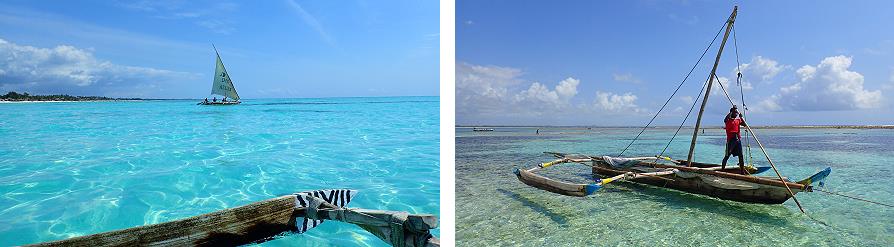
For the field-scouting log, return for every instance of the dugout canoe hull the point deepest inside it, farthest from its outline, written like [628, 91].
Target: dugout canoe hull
[251, 223]
[265, 220]
[725, 184]
[555, 186]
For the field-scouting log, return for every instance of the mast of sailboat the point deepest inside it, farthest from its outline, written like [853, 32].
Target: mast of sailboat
[218, 58]
[729, 26]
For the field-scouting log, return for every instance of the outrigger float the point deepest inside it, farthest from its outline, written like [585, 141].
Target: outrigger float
[266, 220]
[684, 175]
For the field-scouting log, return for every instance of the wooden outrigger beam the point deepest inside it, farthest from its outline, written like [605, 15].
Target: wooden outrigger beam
[528, 177]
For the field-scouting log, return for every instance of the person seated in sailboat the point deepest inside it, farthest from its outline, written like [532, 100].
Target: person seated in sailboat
[224, 99]
[206, 101]
[733, 137]
[214, 99]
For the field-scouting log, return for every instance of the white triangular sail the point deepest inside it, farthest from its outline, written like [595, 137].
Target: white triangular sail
[223, 85]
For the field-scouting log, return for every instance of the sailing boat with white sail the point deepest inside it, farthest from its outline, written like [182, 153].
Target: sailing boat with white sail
[222, 86]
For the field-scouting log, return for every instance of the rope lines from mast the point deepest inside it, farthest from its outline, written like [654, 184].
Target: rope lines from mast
[675, 90]
[748, 127]
[694, 103]
[742, 94]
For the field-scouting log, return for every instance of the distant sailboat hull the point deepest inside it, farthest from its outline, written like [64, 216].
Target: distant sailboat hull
[220, 103]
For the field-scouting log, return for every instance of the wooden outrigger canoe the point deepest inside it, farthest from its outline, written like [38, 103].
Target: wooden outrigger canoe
[266, 220]
[700, 178]
[683, 175]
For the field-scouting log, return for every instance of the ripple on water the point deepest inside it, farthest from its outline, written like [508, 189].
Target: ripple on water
[76, 169]
[633, 214]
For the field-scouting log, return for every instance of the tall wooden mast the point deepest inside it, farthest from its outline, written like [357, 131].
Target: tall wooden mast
[729, 26]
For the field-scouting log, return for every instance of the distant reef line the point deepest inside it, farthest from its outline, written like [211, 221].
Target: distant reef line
[690, 127]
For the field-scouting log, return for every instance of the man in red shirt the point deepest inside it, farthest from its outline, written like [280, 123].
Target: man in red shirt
[733, 138]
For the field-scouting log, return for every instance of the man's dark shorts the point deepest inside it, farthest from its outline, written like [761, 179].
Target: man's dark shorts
[734, 146]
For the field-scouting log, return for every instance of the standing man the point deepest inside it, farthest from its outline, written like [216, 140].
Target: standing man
[733, 138]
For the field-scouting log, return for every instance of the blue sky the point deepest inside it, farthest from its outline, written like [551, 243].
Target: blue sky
[616, 62]
[272, 49]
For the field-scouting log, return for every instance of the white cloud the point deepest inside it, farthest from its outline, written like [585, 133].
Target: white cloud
[828, 86]
[540, 94]
[484, 81]
[760, 67]
[729, 87]
[687, 100]
[496, 92]
[626, 77]
[806, 72]
[567, 88]
[67, 69]
[616, 102]
[732, 90]
[768, 105]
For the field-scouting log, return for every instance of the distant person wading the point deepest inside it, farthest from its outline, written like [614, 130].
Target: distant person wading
[733, 137]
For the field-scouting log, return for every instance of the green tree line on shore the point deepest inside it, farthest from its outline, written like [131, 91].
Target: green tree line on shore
[15, 96]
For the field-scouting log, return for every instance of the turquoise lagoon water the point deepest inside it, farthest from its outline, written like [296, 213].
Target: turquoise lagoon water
[70, 169]
[495, 209]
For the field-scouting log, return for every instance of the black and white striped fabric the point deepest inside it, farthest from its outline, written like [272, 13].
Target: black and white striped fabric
[340, 198]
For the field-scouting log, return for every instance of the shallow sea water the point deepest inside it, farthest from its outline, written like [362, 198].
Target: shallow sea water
[70, 169]
[495, 209]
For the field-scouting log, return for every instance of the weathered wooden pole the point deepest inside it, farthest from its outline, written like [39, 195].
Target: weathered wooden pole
[729, 26]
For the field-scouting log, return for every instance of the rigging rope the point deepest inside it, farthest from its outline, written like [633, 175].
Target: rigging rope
[742, 94]
[694, 103]
[854, 197]
[675, 90]
[762, 148]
